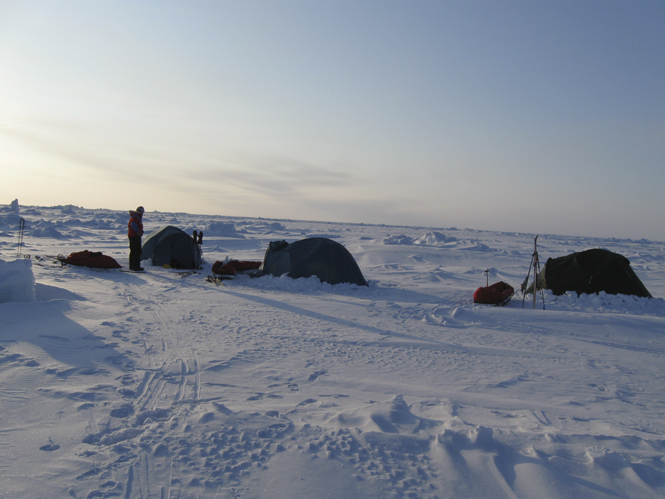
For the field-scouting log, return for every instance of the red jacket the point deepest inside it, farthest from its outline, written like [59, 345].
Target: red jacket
[135, 225]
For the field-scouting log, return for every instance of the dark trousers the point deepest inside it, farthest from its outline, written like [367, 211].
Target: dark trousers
[134, 252]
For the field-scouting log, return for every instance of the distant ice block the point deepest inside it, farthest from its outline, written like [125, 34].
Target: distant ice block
[17, 283]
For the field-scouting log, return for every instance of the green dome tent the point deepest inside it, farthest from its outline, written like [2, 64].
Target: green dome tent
[317, 256]
[591, 271]
[172, 246]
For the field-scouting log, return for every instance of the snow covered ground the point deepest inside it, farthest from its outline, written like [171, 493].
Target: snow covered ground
[163, 385]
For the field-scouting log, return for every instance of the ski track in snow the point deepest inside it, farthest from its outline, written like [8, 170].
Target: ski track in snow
[160, 386]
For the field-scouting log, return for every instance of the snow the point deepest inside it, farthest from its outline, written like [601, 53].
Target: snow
[221, 229]
[17, 282]
[161, 384]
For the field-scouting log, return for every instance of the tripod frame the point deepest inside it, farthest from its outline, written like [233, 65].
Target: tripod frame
[535, 265]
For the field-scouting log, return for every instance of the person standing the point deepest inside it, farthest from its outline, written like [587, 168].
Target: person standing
[134, 232]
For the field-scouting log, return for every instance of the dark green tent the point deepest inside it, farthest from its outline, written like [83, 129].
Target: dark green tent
[591, 271]
[317, 256]
[172, 246]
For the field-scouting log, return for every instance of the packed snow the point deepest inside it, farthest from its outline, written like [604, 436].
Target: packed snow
[165, 385]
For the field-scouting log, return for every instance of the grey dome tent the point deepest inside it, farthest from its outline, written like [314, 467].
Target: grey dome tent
[591, 271]
[317, 256]
[172, 246]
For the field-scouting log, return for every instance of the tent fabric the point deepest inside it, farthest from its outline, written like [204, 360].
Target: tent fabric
[173, 247]
[591, 271]
[91, 259]
[495, 294]
[317, 256]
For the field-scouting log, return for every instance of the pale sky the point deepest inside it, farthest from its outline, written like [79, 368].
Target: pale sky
[524, 116]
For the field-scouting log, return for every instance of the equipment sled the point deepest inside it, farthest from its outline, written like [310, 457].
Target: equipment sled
[232, 267]
[498, 293]
[95, 260]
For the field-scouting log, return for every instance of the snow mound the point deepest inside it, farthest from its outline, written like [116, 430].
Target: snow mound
[325, 235]
[222, 229]
[393, 416]
[9, 220]
[267, 227]
[402, 239]
[475, 246]
[17, 283]
[432, 238]
[48, 232]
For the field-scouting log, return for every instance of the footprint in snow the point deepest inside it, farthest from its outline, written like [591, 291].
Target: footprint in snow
[308, 401]
[50, 447]
[314, 376]
[122, 412]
